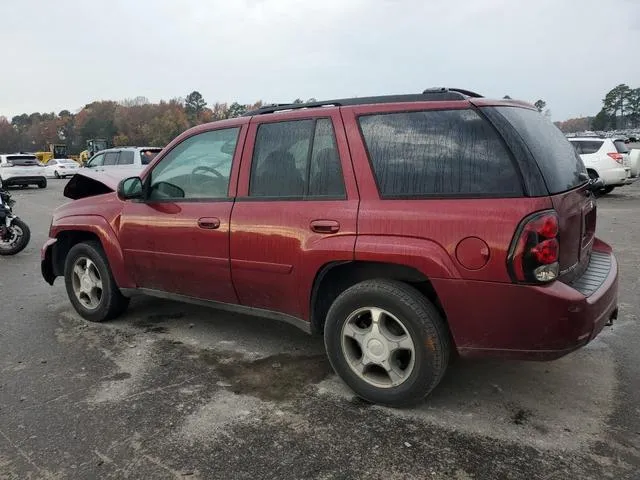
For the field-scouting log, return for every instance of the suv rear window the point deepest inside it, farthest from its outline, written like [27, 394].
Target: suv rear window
[558, 161]
[22, 160]
[620, 146]
[438, 153]
[586, 147]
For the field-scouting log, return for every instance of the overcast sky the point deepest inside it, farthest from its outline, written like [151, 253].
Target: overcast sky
[64, 54]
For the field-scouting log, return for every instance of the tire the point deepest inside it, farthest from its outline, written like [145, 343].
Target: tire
[412, 317]
[56, 174]
[606, 190]
[111, 302]
[42, 183]
[22, 242]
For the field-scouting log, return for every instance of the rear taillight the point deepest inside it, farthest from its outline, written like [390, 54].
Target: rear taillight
[533, 256]
[616, 156]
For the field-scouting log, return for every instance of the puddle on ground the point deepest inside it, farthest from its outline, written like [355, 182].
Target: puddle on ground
[277, 377]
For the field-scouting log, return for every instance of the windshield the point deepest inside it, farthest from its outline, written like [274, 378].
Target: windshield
[557, 159]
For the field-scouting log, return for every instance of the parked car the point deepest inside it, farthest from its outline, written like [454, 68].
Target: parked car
[403, 228]
[605, 158]
[123, 156]
[21, 169]
[61, 168]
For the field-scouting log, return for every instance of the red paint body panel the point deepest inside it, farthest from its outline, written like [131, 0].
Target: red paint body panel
[100, 227]
[523, 321]
[165, 249]
[275, 255]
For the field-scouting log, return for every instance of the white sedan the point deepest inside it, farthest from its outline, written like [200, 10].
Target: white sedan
[61, 167]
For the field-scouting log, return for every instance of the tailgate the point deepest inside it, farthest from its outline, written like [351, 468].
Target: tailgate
[577, 223]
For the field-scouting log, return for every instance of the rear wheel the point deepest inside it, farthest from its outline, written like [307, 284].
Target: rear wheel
[56, 174]
[90, 284]
[387, 342]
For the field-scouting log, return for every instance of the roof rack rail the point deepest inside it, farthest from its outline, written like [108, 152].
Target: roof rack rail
[430, 94]
[466, 93]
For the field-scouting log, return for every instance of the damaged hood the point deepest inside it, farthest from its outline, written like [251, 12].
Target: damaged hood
[88, 182]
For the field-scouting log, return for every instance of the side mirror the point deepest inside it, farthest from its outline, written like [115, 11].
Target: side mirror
[130, 188]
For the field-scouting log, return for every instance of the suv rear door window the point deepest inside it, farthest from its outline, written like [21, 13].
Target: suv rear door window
[558, 161]
[296, 159]
[438, 153]
[126, 157]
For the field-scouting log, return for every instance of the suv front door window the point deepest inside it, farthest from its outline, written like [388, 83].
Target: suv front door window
[198, 168]
[96, 161]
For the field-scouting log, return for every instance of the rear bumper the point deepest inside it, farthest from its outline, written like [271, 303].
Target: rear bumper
[615, 177]
[530, 322]
[22, 180]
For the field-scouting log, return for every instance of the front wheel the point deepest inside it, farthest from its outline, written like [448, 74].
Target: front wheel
[56, 174]
[387, 342]
[42, 183]
[16, 239]
[90, 284]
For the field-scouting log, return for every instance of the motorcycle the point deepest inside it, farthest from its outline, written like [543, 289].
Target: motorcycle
[14, 233]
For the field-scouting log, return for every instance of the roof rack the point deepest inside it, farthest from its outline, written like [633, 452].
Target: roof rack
[428, 95]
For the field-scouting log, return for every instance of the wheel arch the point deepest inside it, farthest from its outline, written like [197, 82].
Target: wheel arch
[89, 228]
[335, 277]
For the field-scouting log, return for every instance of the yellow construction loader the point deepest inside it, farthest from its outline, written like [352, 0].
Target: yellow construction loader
[93, 146]
[55, 151]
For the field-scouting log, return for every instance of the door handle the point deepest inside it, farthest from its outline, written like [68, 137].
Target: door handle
[325, 226]
[209, 223]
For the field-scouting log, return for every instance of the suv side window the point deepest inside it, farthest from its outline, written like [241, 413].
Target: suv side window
[589, 146]
[126, 157]
[438, 153]
[197, 168]
[111, 158]
[296, 159]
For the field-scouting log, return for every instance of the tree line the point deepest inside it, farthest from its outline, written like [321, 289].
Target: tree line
[620, 109]
[129, 122]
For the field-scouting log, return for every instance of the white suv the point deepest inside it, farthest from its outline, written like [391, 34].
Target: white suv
[605, 158]
[21, 169]
[123, 157]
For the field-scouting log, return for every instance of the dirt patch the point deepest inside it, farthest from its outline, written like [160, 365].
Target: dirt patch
[277, 377]
[521, 416]
[163, 317]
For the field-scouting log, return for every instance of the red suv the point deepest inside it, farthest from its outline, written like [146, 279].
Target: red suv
[404, 228]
